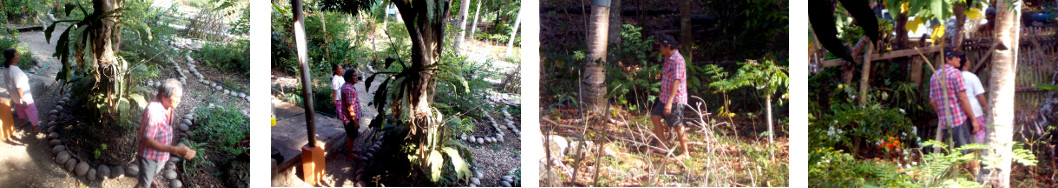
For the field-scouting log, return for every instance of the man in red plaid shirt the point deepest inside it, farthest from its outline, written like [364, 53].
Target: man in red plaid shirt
[351, 111]
[950, 102]
[673, 97]
[156, 133]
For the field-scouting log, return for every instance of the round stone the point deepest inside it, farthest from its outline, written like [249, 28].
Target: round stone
[175, 184]
[360, 171]
[505, 184]
[132, 170]
[499, 137]
[463, 136]
[369, 155]
[54, 142]
[57, 149]
[184, 128]
[478, 174]
[475, 181]
[481, 141]
[118, 172]
[174, 159]
[170, 174]
[53, 135]
[242, 95]
[62, 157]
[170, 165]
[363, 158]
[82, 168]
[92, 174]
[357, 177]
[104, 171]
[70, 164]
[361, 184]
[472, 185]
[217, 87]
[53, 112]
[508, 178]
[58, 107]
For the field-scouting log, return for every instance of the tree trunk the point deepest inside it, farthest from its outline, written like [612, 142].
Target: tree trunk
[103, 52]
[614, 40]
[593, 85]
[1001, 84]
[959, 9]
[425, 27]
[767, 106]
[685, 31]
[514, 33]
[464, 6]
[474, 26]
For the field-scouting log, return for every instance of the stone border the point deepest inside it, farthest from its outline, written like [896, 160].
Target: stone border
[498, 137]
[79, 166]
[213, 85]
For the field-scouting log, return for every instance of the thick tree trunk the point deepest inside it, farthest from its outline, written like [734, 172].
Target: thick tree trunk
[474, 26]
[685, 31]
[593, 86]
[103, 51]
[426, 29]
[464, 6]
[959, 10]
[1001, 86]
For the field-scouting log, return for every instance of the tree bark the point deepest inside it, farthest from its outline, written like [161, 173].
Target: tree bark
[593, 86]
[464, 6]
[426, 30]
[959, 9]
[103, 51]
[1002, 87]
[514, 33]
[685, 30]
[474, 26]
[767, 105]
[614, 40]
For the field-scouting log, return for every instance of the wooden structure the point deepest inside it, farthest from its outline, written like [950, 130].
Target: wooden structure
[1036, 62]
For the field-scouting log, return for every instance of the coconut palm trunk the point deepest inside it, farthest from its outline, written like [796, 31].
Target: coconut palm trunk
[593, 85]
[464, 6]
[1001, 84]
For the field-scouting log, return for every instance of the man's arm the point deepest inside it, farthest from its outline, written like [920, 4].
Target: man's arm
[20, 94]
[182, 151]
[672, 97]
[965, 104]
[984, 104]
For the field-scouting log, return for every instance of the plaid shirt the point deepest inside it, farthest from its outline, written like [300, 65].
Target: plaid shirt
[949, 111]
[155, 126]
[674, 70]
[349, 97]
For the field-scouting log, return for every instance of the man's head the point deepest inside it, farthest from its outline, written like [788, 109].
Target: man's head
[667, 45]
[170, 93]
[337, 68]
[11, 55]
[351, 76]
[954, 57]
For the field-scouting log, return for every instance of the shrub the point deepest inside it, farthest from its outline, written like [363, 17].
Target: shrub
[229, 57]
[854, 128]
[222, 128]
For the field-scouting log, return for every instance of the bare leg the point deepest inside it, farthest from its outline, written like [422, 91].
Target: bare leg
[682, 131]
[659, 129]
[349, 148]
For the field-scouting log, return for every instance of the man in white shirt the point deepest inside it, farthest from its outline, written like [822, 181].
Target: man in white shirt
[336, 84]
[975, 94]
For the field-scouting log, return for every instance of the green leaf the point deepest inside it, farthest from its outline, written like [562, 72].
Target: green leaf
[436, 161]
[140, 101]
[461, 167]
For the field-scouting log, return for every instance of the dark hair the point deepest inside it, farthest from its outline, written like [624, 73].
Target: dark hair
[668, 41]
[9, 56]
[351, 76]
[335, 66]
[950, 52]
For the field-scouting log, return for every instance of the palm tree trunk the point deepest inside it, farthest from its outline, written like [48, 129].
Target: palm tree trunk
[593, 84]
[514, 33]
[685, 30]
[1001, 84]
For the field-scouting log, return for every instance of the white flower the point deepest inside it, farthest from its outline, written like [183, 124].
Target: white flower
[902, 111]
[913, 163]
[905, 154]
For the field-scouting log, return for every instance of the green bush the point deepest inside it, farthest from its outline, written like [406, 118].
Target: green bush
[228, 57]
[853, 128]
[25, 61]
[222, 128]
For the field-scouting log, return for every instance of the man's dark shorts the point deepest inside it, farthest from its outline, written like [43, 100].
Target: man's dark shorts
[674, 119]
[351, 131]
[960, 135]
